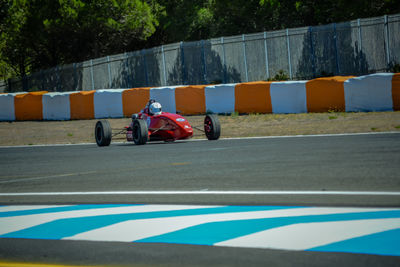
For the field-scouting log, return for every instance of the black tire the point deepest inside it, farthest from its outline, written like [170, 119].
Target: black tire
[212, 127]
[103, 133]
[140, 132]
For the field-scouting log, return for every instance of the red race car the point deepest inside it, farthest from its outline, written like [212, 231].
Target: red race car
[151, 124]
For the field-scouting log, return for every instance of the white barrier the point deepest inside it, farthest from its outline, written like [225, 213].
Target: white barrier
[376, 92]
[220, 98]
[369, 93]
[108, 103]
[166, 96]
[7, 109]
[56, 106]
[289, 97]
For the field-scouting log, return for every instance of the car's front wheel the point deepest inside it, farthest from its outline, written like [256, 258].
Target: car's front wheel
[212, 127]
[140, 132]
[103, 133]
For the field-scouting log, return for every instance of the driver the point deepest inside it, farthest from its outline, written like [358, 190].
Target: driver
[153, 108]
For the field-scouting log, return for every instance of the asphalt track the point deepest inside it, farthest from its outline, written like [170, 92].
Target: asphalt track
[349, 170]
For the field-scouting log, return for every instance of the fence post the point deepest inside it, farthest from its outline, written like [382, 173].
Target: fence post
[75, 74]
[336, 49]
[359, 35]
[109, 72]
[42, 77]
[164, 67]
[183, 63]
[24, 84]
[58, 79]
[386, 32]
[91, 73]
[128, 81]
[223, 59]
[360, 46]
[245, 58]
[266, 54]
[288, 48]
[204, 62]
[9, 85]
[312, 52]
[145, 67]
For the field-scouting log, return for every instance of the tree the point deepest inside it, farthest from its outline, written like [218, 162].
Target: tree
[39, 34]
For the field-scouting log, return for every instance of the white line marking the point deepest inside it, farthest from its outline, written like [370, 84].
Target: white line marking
[226, 138]
[202, 192]
[309, 135]
[304, 236]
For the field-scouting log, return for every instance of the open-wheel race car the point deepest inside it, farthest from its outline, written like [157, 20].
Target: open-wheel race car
[151, 124]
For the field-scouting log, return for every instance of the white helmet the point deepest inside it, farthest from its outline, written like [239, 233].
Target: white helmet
[155, 108]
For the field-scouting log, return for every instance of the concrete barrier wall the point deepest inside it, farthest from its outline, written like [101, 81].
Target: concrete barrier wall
[108, 103]
[375, 92]
[369, 93]
[289, 97]
[56, 106]
[220, 98]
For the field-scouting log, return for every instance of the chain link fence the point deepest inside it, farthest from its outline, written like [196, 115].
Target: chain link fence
[350, 48]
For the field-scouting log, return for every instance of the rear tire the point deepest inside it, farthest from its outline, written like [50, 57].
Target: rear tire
[103, 133]
[212, 127]
[140, 132]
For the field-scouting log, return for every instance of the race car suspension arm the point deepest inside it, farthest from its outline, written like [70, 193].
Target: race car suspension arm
[162, 128]
[197, 128]
[119, 132]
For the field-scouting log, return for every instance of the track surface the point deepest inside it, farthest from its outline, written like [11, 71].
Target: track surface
[354, 163]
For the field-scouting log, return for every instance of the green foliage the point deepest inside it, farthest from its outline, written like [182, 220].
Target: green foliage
[38, 34]
[234, 114]
[395, 68]
[280, 76]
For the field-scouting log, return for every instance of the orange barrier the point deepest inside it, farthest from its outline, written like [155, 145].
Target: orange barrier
[133, 100]
[371, 92]
[253, 97]
[82, 105]
[190, 99]
[29, 106]
[325, 94]
[396, 91]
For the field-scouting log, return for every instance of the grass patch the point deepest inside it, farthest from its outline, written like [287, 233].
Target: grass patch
[332, 117]
[235, 114]
[233, 125]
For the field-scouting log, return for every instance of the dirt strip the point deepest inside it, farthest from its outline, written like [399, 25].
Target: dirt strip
[82, 131]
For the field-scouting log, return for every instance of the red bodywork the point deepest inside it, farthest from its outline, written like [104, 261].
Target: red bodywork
[165, 127]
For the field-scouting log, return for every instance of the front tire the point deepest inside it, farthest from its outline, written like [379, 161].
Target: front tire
[140, 132]
[103, 133]
[212, 127]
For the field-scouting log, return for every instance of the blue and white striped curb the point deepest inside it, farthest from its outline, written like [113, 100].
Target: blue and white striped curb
[353, 230]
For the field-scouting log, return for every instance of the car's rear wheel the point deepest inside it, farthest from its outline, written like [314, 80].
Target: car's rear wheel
[103, 133]
[212, 127]
[140, 132]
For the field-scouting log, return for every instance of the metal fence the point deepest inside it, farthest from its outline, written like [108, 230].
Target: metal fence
[350, 48]
[3, 86]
